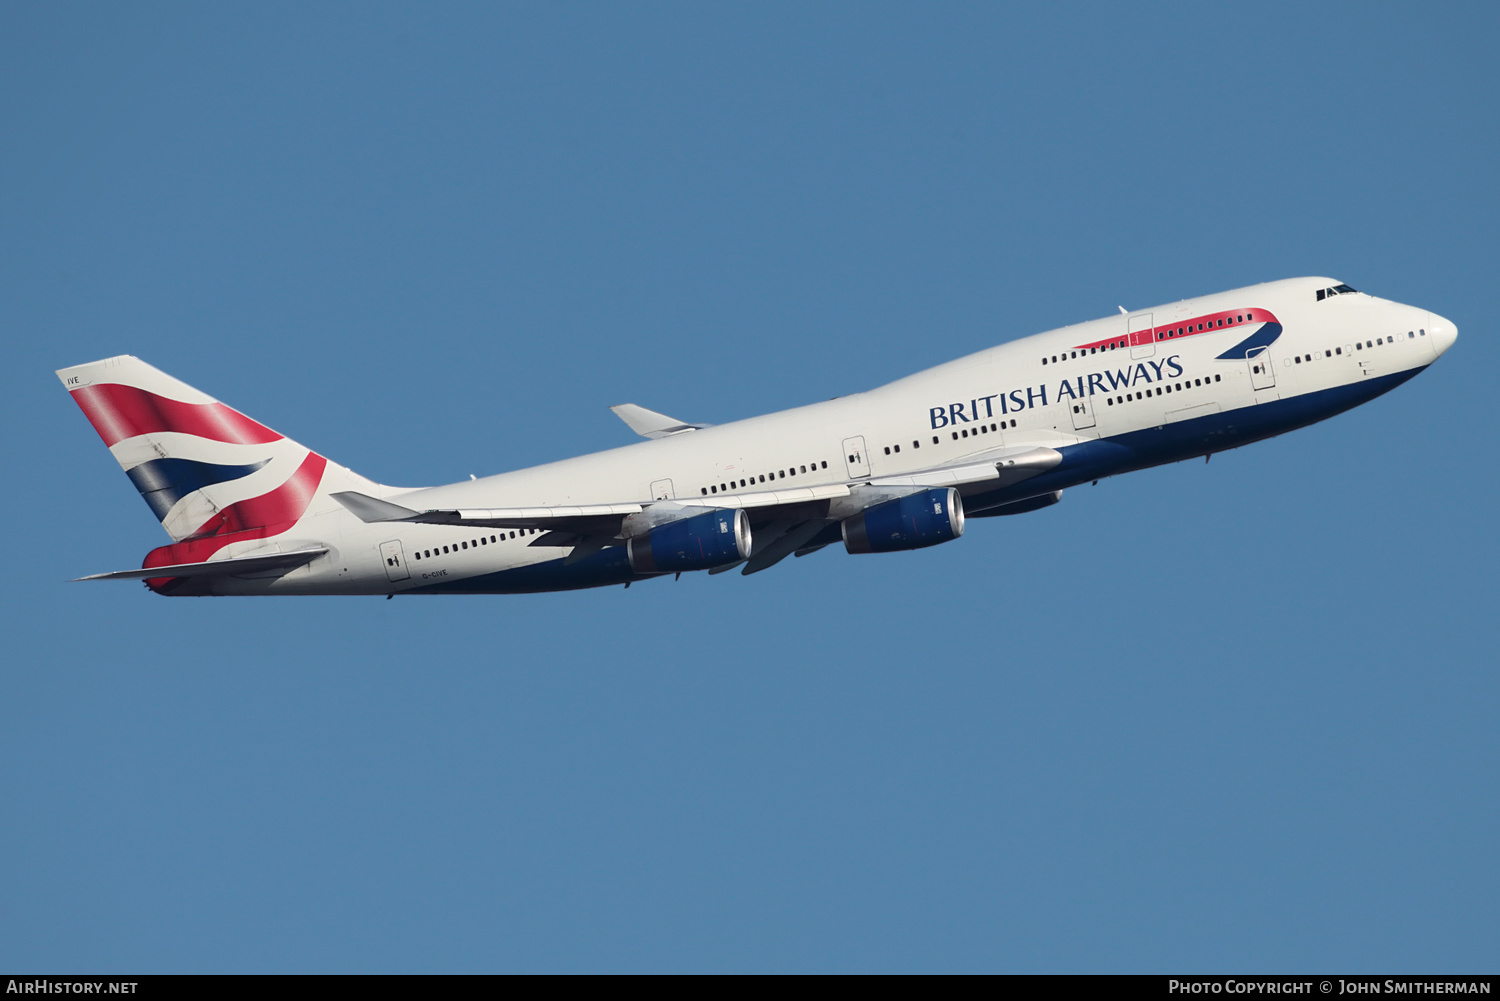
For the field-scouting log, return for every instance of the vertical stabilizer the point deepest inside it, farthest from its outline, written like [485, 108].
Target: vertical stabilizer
[204, 469]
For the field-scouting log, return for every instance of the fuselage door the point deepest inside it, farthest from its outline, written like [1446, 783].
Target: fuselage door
[1083, 412]
[1261, 374]
[661, 490]
[855, 459]
[1142, 336]
[395, 561]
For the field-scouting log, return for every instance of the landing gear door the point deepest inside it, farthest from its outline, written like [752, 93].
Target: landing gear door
[395, 561]
[1142, 336]
[1262, 376]
[855, 459]
[1083, 413]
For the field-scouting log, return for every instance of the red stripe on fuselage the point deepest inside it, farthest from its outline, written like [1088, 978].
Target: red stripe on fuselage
[119, 412]
[1204, 324]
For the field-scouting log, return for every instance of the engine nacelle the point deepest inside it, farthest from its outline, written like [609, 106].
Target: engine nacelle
[910, 522]
[700, 542]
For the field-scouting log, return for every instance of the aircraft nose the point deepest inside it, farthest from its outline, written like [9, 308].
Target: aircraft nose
[1442, 331]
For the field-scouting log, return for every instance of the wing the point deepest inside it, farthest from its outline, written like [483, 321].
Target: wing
[650, 424]
[786, 521]
[232, 567]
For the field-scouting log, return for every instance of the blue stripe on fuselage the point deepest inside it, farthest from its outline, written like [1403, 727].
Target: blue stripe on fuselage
[607, 566]
[1155, 446]
[1261, 338]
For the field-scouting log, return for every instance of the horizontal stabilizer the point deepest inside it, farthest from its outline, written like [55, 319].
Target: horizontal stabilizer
[650, 424]
[219, 568]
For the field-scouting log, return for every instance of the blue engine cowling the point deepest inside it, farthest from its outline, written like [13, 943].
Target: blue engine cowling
[702, 542]
[909, 522]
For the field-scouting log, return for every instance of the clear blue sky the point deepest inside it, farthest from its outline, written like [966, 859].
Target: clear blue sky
[1235, 717]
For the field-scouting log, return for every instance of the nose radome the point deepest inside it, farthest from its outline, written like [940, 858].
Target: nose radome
[1442, 331]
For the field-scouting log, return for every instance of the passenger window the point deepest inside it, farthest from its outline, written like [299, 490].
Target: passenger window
[914, 444]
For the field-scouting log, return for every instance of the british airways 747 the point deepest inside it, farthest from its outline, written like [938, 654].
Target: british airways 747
[1003, 431]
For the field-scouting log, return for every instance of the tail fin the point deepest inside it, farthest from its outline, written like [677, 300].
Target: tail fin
[203, 468]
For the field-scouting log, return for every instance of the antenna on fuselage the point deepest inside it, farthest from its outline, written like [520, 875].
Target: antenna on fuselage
[1124, 311]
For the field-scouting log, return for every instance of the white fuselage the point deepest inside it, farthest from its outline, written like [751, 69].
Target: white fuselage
[1111, 395]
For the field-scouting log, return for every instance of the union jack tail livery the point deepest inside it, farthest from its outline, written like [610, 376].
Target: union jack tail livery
[213, 477]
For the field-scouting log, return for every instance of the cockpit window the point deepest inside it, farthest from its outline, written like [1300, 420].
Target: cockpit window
[1324, 293]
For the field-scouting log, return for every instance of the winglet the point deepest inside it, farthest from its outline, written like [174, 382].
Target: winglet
[650, 424]
[372, 509]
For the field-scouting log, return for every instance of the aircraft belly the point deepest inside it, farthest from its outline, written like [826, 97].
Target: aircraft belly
[1185, 439]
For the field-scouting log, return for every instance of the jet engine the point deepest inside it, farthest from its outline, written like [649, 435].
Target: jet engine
[910, 522]
[699, 542]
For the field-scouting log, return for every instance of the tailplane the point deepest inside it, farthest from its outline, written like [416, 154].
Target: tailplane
[205, 469]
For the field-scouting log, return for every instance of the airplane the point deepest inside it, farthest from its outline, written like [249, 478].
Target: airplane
[904, 466]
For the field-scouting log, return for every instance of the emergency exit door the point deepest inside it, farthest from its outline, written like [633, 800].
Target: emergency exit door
[1261, 374]
[1142, 332]
[1083, 413]
[855, 459]
[395, 561]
